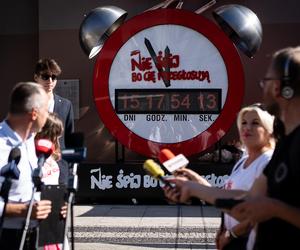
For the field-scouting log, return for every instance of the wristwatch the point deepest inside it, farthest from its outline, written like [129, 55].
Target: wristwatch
[230, 234]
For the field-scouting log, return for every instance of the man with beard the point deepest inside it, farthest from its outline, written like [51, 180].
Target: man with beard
[278, 213]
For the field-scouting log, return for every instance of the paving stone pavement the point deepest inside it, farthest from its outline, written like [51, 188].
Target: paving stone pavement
[124, 227]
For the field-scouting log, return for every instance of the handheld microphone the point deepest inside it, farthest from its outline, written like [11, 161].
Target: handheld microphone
[172, 162]
[43, 148]
[154, 170]
[10, 170]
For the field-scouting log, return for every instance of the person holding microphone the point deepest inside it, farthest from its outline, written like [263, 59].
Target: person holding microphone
[52, 131]
[255, 127]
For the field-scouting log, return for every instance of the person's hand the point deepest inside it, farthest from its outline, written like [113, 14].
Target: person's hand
[217, 240]
[221, 240]
[172, 194]
[41, 209]
[192, 176]
[63, 210]
[255, 210]
[182, 192]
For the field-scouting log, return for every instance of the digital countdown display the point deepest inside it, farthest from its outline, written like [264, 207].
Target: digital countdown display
[168, 101]
[168, 78]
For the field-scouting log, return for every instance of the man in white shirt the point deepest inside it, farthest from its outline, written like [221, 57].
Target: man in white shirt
[28, 111]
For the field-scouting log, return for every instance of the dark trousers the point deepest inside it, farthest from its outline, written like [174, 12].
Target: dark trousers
[11, 239]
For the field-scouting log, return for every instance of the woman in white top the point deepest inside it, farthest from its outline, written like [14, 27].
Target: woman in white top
[255, 127]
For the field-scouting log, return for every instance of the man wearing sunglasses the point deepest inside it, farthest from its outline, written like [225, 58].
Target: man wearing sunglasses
[46, 73]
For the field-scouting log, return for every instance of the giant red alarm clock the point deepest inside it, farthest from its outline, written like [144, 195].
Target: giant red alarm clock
[168, 78]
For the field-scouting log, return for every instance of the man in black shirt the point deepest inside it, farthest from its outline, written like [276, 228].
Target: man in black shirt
[275, 202]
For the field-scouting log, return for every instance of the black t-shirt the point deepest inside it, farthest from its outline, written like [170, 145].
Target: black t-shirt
[283, 175]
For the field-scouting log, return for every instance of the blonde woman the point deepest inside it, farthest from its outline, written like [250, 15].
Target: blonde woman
[255, 127]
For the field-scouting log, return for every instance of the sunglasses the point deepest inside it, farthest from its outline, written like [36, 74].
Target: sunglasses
[46, 77]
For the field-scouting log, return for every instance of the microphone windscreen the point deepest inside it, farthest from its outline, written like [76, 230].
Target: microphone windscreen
[44, 147]
[75, 140]
[153, 169]
[14, 155]
[164, 155]
[10, 170]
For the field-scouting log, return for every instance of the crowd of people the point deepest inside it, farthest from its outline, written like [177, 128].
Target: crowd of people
[269, 214]
[265, 178]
